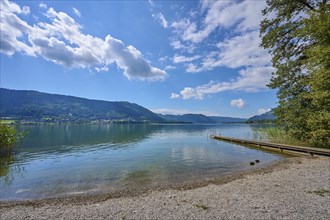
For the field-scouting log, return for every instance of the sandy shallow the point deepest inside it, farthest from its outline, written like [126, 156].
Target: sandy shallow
[296, 188]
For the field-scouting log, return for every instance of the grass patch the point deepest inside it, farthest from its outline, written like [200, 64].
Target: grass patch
[321, 192]
[276, 135]
[201, 206]
[4, 121]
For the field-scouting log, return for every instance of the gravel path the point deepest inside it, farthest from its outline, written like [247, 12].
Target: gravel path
[298, 188]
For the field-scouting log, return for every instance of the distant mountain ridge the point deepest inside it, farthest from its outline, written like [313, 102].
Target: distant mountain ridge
[268, 116]
[189, 118]
[33, 105]
[201, 119]
[221, 119]
[45, 107]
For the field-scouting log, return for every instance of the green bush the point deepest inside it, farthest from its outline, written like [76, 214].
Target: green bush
[8, 137]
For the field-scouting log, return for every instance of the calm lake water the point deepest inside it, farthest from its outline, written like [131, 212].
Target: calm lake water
[61, 160]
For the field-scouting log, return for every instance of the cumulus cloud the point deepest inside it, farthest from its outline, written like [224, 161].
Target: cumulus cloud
[195, 93]
[242, 50]
[174, 96]
[225, 14]
[239, 49]
[239, 103]
[239, 22]
[61, 41]
[252, 79]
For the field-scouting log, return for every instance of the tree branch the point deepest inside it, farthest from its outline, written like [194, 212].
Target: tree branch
[304, 2]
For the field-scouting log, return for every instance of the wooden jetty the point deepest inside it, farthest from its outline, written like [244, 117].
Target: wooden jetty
[300, 149]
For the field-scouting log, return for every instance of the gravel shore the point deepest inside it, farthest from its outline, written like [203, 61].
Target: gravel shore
[297, 188]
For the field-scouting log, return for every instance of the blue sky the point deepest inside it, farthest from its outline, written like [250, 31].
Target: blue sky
[172, 57]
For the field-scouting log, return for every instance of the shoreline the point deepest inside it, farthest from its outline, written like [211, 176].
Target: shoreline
[134, 192]
[291, 188]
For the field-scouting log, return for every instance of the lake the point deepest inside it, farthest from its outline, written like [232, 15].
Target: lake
[61, 160]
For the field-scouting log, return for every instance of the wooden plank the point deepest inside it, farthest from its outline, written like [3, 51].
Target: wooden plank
[309, 150]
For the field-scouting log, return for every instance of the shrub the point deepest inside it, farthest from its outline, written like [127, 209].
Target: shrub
[8, 137]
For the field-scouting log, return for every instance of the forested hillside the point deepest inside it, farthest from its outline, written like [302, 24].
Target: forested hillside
[32, 105]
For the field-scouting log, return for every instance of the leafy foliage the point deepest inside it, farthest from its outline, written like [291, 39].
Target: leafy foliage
[8, 137]
[297, 34]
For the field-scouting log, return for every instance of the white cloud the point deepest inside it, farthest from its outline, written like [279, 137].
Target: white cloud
[242, 50]
[151, 3]
[131, 61]
[177, 45]
[252, 79]
[163, 59]
[174, 96]
[102, 69]
[262, 111]
[184, 59]
[26, 10]
[12, 28]
[170, 67]
[238, 21]
[181, 25]
[43, 5]
[239, 103]
[76, 12]
[192, 68]
[166, 111]
[193, 93]
[9, 7]
[62, 42]
[244, 16]
[161, 19]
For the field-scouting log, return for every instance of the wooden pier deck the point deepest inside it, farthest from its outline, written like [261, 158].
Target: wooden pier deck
[282, 147]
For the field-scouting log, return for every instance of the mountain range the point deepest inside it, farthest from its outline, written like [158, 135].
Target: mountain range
[265, 117]
[44, 107]
[38, 106]
[202, 119]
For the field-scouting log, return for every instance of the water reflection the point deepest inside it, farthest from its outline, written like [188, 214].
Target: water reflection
[44, 137]
[9, 169]
[68, 159]
[49, 137]
[5, 163]
[191, 155]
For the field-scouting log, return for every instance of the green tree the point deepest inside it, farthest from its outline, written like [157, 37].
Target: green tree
[297, 34]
